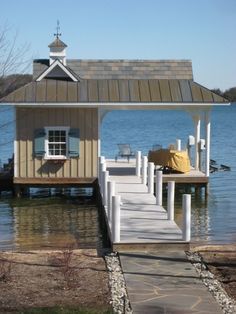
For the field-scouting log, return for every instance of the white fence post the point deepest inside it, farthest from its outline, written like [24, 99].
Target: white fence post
[151, 177]
[186, 205]
[171, 200]
[159, 188]
[138, 163]
[110, 193]
[116, 218]
[144, 170]
[102, 168]
[105, 175]
[178, 145]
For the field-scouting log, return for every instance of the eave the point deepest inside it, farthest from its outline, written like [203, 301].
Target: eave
[115, 93]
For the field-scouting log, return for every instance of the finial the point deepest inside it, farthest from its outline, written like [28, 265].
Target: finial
[57, 29]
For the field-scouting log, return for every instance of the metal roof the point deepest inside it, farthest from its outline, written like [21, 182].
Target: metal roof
[57, 43]
[114, 91]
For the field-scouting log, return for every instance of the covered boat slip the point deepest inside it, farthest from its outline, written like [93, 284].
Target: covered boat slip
[72, 99]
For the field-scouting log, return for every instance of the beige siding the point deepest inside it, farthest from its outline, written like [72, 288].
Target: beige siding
[29, 119]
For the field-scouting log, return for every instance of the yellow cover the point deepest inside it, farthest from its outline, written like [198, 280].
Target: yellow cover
[177, 160]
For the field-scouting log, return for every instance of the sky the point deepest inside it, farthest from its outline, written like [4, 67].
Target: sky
[203, 31]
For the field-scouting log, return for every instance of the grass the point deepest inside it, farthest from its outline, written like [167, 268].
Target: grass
[64, 310]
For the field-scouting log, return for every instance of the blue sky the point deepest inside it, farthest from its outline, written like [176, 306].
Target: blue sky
[203, 31]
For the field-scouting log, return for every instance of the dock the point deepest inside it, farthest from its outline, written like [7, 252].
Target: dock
[143, 224]
[158, 275]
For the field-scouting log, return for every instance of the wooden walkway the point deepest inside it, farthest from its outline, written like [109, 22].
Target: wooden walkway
[144, 224]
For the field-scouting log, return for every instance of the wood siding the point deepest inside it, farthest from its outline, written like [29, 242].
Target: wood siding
[29, 119]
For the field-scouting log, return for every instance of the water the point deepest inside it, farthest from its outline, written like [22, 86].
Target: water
[51, 221]
[213, 220]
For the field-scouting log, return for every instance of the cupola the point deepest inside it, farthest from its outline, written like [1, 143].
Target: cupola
[57, 48]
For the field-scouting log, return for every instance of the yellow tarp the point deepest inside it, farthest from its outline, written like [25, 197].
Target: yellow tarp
[177, 160]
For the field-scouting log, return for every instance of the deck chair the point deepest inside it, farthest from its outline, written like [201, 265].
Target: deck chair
[124, 152]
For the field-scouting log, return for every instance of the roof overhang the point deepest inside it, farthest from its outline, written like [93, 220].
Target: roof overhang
[118, 94]
[124, 106]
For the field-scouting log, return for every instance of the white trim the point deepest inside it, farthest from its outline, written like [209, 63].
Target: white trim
[15, 150]
[52, 66]
[123, 106]
[53, 128]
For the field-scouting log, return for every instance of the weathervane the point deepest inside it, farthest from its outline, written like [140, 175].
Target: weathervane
[57, 29]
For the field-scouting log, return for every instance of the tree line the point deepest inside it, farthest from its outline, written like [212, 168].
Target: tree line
[229, 94]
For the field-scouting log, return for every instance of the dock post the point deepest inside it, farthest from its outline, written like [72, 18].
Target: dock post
[178, 145]
[138, 163]
[159, 188]
[102, 167]
[110, 193]
[186, 205]
[116, 218]
[150, 177]
[105, 175]
[144, 170]
[171, 200]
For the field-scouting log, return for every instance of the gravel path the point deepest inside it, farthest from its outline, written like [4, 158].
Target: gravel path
[227, 304]
[120, 301]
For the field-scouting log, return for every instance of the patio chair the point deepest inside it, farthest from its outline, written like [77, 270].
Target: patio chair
[124, 152]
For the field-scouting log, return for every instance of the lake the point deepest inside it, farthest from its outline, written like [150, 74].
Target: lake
[213, 219]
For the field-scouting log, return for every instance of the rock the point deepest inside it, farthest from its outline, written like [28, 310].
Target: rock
[227, 304]
[120, 301]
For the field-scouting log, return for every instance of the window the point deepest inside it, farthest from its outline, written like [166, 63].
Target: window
[56, 142]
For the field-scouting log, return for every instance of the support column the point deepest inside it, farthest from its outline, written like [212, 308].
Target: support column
[208, 141]
[197, 122]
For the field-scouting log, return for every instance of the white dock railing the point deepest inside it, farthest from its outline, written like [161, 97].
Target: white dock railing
[112, 202]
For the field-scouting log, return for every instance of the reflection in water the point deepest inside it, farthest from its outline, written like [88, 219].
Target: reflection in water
[200, 218]
[44, 223]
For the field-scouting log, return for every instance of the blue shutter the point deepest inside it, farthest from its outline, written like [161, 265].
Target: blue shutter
[74, 140]
[39, 142]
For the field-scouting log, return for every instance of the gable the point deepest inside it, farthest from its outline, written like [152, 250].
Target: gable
[57, 70]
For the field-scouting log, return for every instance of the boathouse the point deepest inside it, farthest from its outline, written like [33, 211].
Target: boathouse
[58, 115]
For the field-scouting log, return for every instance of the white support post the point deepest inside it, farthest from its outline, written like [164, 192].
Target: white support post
[105, 175]
[110, 193]
[186, 205]
[116, 218]
[159, 187]
[197, 122]
[171, 200]
[178, 145]
[208, 142]
[151, 177]
[144, 170]
[138, 163]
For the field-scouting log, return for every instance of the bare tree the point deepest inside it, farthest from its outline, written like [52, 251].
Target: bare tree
[13, 61]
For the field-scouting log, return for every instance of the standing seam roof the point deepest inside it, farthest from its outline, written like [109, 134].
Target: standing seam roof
[113, 91]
